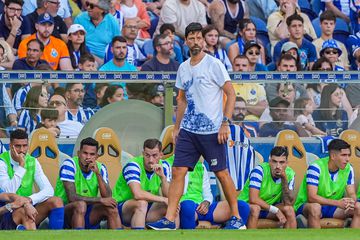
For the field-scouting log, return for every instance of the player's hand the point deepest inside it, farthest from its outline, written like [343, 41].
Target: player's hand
[223, 133]
[19, 202]
[93, 167]
[30, 211]
[108, 202]
[165, 200]
[175, 134]
[158, 169]
[18, 157]
[281, 217]
[203, 207]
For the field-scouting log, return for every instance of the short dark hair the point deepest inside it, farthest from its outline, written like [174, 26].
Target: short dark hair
[117, 39]
[239, 99]
[241, 57]
[18, 134]
[99, 86]
[156, 41]
[317, 65]
[327, 15]
[43, 67]
[49, 113]
[59, 91]
[167, 26]
[89, 141]
[287, 57]
[193, 27]
[8, 2]
[69, 86]
[294, 17]
[41, 45]
[152, 143]
[338, 145]
[279, 151]
[86, 57]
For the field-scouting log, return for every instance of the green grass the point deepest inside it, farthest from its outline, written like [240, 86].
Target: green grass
[277, 234]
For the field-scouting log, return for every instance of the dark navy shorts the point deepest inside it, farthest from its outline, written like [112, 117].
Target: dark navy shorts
[7, 222]
[120, 206]
[326, 211]
[190, 146]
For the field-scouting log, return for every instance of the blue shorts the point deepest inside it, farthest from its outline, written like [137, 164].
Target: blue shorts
[67, 225]
[190, 146]
[7, 222]
[326, 211]
[209, 216]
[120, 206]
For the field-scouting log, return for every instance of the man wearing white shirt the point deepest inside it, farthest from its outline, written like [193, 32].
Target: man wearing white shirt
[18, 173]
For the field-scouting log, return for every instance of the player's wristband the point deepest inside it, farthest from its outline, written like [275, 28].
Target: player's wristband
[273, 209]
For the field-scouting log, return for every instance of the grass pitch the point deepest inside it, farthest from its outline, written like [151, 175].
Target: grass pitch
[277, 234]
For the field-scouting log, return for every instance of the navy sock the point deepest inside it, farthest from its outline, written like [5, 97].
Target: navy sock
[56, 218]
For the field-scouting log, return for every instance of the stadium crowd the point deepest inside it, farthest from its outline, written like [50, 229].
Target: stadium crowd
[135, 35]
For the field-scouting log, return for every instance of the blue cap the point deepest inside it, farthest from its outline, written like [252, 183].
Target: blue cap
[330, 43]
[45, 18]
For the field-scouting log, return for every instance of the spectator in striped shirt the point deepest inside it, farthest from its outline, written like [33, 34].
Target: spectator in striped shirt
[81, 180]
[36, 99]
[322, 193]
[137, 190]
[270, 190]
[74, 93]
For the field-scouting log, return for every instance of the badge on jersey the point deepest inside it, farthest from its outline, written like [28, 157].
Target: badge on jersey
[54, 53]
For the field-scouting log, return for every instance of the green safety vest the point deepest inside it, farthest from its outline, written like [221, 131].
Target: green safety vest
[84, 187]
[270, 191]
[326, 188]
[194, 190]
[27, 182]
[122, 191]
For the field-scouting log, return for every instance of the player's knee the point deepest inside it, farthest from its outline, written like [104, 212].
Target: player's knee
[56, 202]
[255, 209]
[289, 211]
[141, 205]
[357, 208]
[314, 209]
[80, 207]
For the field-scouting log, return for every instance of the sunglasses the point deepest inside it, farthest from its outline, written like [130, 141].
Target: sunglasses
[254, 53]
[56, 103]
[91, 5]
[331, 52]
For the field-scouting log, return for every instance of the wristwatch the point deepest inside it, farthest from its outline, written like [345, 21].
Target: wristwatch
[8, 207]
[226, 120]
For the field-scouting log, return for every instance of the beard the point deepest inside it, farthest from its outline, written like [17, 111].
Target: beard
[195, 50]
[239, 117]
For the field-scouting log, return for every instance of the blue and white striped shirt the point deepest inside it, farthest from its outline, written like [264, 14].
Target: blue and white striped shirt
[256, 178]
[82, 116]
[342, 5]
[20, 97]
[132, 171]
[313, 174]
[28, 123]
[68, 170]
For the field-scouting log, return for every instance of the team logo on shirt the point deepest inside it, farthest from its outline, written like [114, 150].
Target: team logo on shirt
[213, 162]
[253, 91]
[54, 53]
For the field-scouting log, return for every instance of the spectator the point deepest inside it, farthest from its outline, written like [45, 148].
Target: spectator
[180, 13]
[211, 36]
[100, 26]
[354, 16]
[169, 30]
[341, 8]
[118, 15]
[76, 44]
[353, 47]
[239, 114]
[34, 51]
[14, 27]
[74, 93]
[112, 94]
[136, 10]
[247, 32]
[68, 128]
[8, 114]
[157, 95]
[331, 51]
[279, 114]
[262, 8]
[99, 90]
[307, 50]
[253, 93]
[277, 23]
[51, 7]
[252, 52]
[48, 120]
[225, 15]
[327, 24]
[36, 99]
[87, 63]
[55, 51]
[288, 48]
[162, 61]
[330, 118]
[303, 109]
[7, 56]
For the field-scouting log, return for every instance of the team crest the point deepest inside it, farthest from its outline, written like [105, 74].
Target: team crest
[54, 53]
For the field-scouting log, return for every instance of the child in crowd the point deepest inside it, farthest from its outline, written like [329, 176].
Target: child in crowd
[303, 108]
[49, 118]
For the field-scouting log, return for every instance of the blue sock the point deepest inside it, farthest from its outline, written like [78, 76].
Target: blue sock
[137, 228]
[56, 218]
[187, 214]
[244, 210]
[79, 228]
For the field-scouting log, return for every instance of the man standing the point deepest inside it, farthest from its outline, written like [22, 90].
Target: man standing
[269, 190]
[19, 171]
[80, 180]
[202, 80]
[138, 187]
[322, 192]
